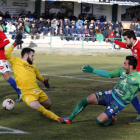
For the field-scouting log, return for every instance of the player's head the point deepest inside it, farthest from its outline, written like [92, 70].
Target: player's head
[130, 64]
[129, 37]
[28, 55]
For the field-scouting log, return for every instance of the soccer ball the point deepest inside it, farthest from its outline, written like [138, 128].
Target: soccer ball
[8, 104]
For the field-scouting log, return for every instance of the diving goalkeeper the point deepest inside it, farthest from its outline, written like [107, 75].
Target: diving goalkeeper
[114, 100]
[26, 72]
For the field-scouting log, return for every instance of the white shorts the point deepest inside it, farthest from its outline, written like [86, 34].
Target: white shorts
[4, 67]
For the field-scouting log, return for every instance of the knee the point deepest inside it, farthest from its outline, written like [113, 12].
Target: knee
[98, 122]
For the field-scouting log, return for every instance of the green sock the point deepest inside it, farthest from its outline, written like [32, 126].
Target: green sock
[105, 123]
[79, 107]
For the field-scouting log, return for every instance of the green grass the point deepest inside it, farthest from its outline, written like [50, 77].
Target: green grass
[64, 94]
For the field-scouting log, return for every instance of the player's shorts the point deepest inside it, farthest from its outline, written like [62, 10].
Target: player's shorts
[33, 95]
[4, 67]
[112, 106]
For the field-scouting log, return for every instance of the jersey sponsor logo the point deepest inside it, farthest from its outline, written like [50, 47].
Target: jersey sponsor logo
[124, 81]
[26, 99]
[1, 67]
[28, 66]
[135, 55]
[135, 51]
[111, 110]
[3, 61]
[133, 79]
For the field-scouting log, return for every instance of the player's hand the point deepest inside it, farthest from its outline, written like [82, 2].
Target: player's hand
[109, 40]
[87, 69]
[46, 82]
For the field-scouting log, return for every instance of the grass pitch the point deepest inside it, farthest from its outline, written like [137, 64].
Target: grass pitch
[69, 85]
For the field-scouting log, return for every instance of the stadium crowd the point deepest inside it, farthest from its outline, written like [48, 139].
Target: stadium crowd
[70, 28]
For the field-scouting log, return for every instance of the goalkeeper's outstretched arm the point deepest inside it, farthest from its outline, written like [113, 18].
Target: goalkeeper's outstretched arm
[103, 73]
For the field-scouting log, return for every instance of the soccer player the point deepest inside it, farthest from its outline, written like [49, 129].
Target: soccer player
[26, 72]
[4, 67]
[116, 99]
[133, 44]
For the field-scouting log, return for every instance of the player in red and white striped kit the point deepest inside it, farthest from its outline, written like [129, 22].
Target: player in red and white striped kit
[133, 44]
[4, 67]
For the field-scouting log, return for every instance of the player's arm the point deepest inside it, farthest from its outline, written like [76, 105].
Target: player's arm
[40, 78]
[104, 73]
[5, 40]
[121, 44]
[9, 56]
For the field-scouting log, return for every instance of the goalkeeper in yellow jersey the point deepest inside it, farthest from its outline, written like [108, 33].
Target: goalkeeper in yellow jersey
[25, 72]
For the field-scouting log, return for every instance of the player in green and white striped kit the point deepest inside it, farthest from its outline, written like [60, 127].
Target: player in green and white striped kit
[116, 99]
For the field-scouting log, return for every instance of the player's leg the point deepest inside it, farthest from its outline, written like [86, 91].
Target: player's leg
[136, 105]
[10, 80]
[79, 108]
[47, 104]
[36, 105]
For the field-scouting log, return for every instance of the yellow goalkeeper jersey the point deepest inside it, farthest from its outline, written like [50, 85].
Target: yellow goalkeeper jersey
[25, 74]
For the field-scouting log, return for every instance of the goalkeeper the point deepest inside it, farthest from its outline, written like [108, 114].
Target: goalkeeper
[25, 72]
[114, 100]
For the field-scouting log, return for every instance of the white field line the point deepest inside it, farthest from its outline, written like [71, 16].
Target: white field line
[76, 77]
[73, 77]
[11, 131]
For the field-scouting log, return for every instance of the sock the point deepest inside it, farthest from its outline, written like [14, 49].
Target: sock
[136, 104]
[105, 123]
[48, 107]
[47, 113]
[79, 107]
[12, 82]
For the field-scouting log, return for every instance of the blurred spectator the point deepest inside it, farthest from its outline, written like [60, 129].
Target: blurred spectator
[117, 31]
[104, 32]
[92, 33]
[90, 18]
[111, 35]
[34, 31]
[7, 17]
[110, 23]
[81, 17]
[67, 32]
[41, 25]
[86, 23]
[86, 32]
[122, 31]
[1, 14]
[73, 23]
[66, 22]
[14, 18]
[92, 23]
[35, 22]
[72, 17]
[43, 16]
[79, 22]
[20, 20]
[133, 27]
[35, 15]
[61, 17]
[54, 26]
[61, 23]
[22, 15]
[138, 29]
[117, 37]
[105, 24]
[60, 32]
[97, 30]
[30, 16]
[117, 25]
[73, 32]
[102, 19]
[99, 24]
[80, 32]
[11, 29]
[138, 20]
[2, 22]
[27, 25]
[47, 26]
[109, 30]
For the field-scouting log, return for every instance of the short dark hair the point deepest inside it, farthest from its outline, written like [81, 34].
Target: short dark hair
[130, 34]
[26, 50]
[132, 61]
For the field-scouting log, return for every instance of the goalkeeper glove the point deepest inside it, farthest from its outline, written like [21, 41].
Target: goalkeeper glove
[46, 83]
[18, 40]
[87, 69]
